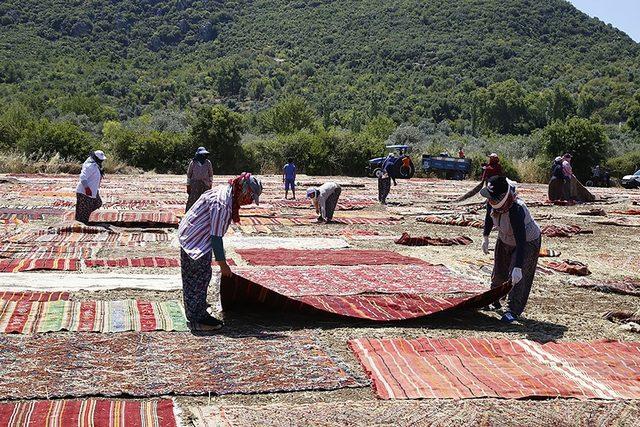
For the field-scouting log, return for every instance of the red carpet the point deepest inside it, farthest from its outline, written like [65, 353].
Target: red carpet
[510, 369]
[293, 257]
[34, 296]
[150, 262]
[380, 292]
[92, 412]
[58, 264]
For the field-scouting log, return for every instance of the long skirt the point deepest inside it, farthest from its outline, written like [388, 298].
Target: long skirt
[196, 275]
[556, 191]
[505, 258]
[331, 203]
[197, 189]
[85, 205]
[384, 187]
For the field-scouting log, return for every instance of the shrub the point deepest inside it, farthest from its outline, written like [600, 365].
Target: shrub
[624, 165]
[46, 138]
[586, 141]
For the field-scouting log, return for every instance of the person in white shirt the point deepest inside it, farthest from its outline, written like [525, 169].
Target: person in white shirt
[87, 192]
[325, 199]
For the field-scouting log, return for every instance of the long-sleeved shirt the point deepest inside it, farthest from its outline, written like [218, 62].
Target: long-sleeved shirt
[203, 226]
[90, 177]
[200, 172]
[567, 169]
[492, 169]
[325, 190]
[515, 228]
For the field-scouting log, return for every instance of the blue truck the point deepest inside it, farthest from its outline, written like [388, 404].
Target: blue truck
[402, 167]
[447, 166]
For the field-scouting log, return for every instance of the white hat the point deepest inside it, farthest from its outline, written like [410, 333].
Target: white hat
[100, 155]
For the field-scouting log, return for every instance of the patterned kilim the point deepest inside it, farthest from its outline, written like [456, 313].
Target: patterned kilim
[125, 218]
[14, 221]
[324, 257]
[26, 317]
[44, 251]
[461, 220]
[626, 286]
[86, 413]
[376, 292]
[512, 369]
[563, 230]
[34, 296]
[156, 262]
[416, 413]
[58, 264]
[253, 220]
[620, 222]
[165, 363]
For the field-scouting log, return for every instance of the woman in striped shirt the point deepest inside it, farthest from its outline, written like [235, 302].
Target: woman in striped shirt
[200, 234]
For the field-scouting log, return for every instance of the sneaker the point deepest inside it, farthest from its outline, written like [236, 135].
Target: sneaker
[508, 317]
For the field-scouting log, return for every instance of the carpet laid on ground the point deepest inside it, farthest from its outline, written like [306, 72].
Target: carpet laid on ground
[459, 220]
[165, 363]
[575, 268]
[469, 413]
[625, 286]
[34, 296]
[563, 230]
[511, 369]
[241, 242]
[372, 292]
[91, 412]
[620, 222]
[407, 240]
[131, 219]
[57, 264]
[629, 321]
[293, 257]
[28, 317]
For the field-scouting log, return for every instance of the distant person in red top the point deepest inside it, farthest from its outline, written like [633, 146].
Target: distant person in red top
[493, 168]
[461, 153]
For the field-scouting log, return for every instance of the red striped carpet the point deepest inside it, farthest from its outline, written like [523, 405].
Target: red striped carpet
[512, 369]
[143, 219]
[254, 220]
[374, 292]
[58, 264]
[300, 257]
[150, 262]
[86, 413]
[34, 296]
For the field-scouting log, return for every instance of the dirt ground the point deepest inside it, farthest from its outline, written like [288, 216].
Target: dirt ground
[556, 310]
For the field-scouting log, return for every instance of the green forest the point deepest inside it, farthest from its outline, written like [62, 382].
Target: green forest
[328, 82]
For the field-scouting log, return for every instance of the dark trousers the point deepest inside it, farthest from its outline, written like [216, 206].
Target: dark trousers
[384, 187]
[196, 275]
[85, 205]
[505, 258]
[331, 203]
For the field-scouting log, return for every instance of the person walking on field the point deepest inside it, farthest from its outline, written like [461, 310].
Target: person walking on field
[87, 192]
[199, 176]
[493, 168]
[384, 180]
[289, 178]
[325, 199]
[518, 245]
[200, 235]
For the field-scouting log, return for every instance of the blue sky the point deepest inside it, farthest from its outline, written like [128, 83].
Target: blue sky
[622, 14]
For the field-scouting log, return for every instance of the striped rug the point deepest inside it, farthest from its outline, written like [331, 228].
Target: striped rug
[128, 218]
[312, 220]
[88, 413]
[512, 369]
[29, 317]
[58, 264]
[34, 296]
[372, 292]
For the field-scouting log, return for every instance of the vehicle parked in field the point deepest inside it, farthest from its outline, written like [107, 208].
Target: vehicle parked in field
[631, 181]
[402, 167]
[449, 167]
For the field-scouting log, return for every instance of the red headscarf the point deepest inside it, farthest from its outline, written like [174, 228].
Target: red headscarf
[238, 189]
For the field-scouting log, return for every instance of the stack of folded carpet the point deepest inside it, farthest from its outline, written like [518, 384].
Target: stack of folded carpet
[459, 220]
[629, 321]
[407, 240]
[563, 230]
[549, 253]
[568, 266]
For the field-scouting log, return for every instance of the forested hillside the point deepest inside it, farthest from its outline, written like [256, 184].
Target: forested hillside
[474, 67]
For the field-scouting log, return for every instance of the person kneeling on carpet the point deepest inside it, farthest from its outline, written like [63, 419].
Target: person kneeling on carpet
[87, 192]
[518, 245]
[200, 233]
[325, 199]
